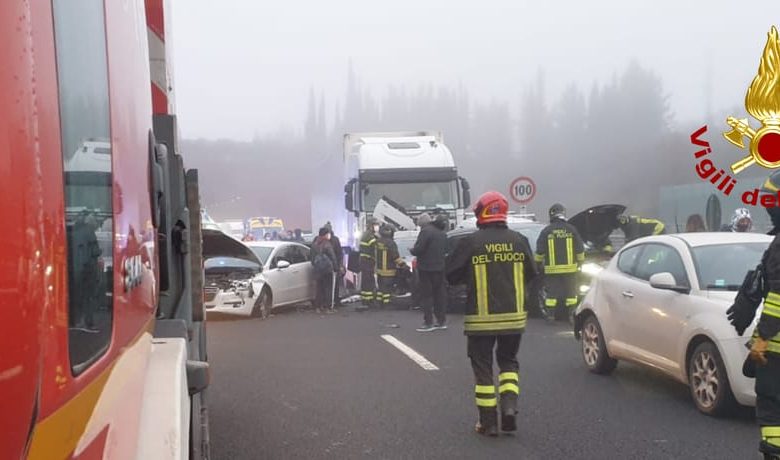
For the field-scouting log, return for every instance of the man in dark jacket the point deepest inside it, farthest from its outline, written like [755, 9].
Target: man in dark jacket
[496, 264]
[338, 251]
[323, 256]
[431, 251]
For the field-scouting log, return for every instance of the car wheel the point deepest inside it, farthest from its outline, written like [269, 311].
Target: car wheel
[594, 348]
[263, 304]
[709, 382]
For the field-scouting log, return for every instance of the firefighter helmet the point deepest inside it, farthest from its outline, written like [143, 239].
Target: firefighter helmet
[386, 231]
[772, 185]
[623, 219]
[557, 211]
[491, 207]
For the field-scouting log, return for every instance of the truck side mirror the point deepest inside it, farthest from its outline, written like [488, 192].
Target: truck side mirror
[464, 184]
[349, 193]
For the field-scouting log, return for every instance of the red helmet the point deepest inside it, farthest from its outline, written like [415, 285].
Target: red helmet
[491, 207]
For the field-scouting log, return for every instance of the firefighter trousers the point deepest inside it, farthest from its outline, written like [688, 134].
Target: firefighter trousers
[385, 289]
[480, 351]
[768, 404]
[367, 286]
[561, 290]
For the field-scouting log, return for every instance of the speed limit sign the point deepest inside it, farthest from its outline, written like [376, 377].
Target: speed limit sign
[523, 190]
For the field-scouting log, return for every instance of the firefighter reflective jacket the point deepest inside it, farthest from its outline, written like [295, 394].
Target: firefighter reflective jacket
[769, 323]
[496, 264]
[387, 257]
[368, 250]
[638, 227]
[560, 248]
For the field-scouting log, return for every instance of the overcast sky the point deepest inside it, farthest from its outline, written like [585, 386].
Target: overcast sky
[244, 67]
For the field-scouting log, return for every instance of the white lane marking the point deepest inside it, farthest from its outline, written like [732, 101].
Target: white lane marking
[408, 351]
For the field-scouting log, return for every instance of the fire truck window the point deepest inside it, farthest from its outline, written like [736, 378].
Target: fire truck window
[82, 75]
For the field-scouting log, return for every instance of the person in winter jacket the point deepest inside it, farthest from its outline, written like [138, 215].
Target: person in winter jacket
[325, 287]
[340, 269]
[636, 227]
[430, 249]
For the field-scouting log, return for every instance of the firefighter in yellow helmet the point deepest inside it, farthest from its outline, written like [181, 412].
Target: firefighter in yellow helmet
[560, 250]
[496, 264]
[764, 359]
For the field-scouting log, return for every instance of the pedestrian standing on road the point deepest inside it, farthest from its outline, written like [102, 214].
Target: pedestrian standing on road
[368, 264]
[340, 269]
[325, 267]
[496, 264]
[431, 251]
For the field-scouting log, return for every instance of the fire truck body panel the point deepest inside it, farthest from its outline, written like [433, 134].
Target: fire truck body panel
[63, 401]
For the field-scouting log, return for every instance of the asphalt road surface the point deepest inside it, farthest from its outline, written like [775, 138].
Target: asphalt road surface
[305, 386]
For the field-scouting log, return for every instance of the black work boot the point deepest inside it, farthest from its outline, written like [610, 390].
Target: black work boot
[769, 451]
[509, 420]
[488, 422]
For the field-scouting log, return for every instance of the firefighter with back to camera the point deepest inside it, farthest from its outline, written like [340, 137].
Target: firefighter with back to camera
[561, 252]
[388, 261]
[497, 265]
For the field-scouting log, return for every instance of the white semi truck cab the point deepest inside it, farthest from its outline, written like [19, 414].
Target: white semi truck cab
[413, 170]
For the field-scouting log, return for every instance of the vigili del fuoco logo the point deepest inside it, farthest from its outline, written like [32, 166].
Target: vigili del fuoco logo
[762, 102]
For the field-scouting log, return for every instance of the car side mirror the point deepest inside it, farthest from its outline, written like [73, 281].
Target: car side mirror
[665, 281]
[282, 264]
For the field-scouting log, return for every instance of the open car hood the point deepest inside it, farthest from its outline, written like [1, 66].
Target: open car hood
[219, 244]
[596, 223]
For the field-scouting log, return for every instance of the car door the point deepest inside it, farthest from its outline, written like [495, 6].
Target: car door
[279, 278]
[615, 287]
[658, 315]
[297, 273]
[305, 276]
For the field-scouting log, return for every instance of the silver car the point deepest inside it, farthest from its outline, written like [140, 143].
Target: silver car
[661, 302]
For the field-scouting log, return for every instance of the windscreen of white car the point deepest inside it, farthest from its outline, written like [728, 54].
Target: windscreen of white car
[228, 263]
[262, 252]
[723, 266]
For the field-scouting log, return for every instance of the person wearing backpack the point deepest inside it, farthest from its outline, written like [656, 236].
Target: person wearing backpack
[325, 266]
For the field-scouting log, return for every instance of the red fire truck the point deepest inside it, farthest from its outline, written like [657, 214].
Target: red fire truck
[102, 338]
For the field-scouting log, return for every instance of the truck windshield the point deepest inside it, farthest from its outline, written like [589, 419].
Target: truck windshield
[412, 196]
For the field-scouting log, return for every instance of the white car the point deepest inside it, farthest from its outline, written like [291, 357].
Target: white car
[255, 277]
[661, 302]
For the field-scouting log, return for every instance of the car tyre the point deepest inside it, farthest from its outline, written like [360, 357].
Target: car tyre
[263, 305]
[594, 348]
[709, 382]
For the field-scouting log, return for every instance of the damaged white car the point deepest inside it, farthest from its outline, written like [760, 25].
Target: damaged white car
[253, 278]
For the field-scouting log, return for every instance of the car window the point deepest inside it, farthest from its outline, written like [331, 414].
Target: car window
[659, 258]
[627, 259]
[298, 254]
[282, 253]
[716, 275]
[82, 74]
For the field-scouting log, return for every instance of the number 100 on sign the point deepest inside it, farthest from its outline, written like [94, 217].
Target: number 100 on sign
[522, 190]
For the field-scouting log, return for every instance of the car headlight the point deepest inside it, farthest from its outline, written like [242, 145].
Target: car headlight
[591, 269]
